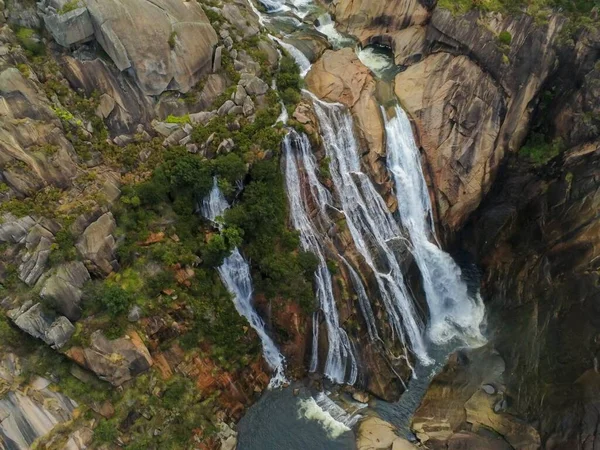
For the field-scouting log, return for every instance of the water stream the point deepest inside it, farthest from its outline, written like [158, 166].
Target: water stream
[235, 274]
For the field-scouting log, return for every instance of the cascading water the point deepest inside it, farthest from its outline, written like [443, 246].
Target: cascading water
[373, 229]
[301, 60]
[235, 273]
[340, 365]
[452, 312]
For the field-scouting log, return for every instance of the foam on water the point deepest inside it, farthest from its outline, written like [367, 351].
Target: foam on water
[310, 409]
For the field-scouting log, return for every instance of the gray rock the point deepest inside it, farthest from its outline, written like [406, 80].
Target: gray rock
[32, 319]
[488, 389]
[135, 314]
[15, 230]
[70, 28]
[217, 59]
[202, 118]
[167, 44]
[255, 86]
[228, 42]
[97, 246]
[63, 289]
[192, 148]
[106, 106]
[248, 107]
[188, 128]
[246, 25]
[38, 246]
[164, 128]
[236, 110]
[175, 137]
[239, 95]
[225, 107]
[186, 140]
[226, 146]
[123, 139]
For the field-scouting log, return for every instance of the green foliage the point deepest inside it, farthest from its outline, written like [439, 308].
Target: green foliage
[63, 248]
[30, 41]
[505, 37]
[110, 298]
[106, 431]
[71, 5]
[539, 151]
[289, 81]
[43, 203]
[172, 39]
[24, 69]
[229, 167]
[178, 119]
[9, 336]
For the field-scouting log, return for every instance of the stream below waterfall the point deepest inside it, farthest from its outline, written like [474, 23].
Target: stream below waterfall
[295, 417]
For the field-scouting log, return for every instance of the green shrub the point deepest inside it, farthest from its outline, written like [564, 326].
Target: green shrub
[110, 298]
[106, 432]
[30, 41]
[539, 151]
[69, 6]
[178, 119]
[505, 38]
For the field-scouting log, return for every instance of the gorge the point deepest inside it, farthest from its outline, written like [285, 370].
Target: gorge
[293, 224]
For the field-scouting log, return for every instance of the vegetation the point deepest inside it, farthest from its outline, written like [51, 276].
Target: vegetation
[30, 41]
[178, 119]
[539, 150]
[172, 39]
[505, 37]
[69, 6]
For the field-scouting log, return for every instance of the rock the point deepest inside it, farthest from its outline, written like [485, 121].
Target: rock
[123, 140]
[248, 107]
[115, 361]
[175, 137]
[361, 397]
[225, 107]
[338, 76]
[70, 28]
[106, 106]
[15, 230]
[246, 23]
[255, 86]
[403, 444]
[97, 246]
[202, 118]
[164, 128]
[488, 389]
[217, 59]
[135, 314]
[167, 44]
[240, 95]
[63, 289]
[374, 433]
[38, 246]
[236, 111]
[32, 319]
[30, 414]
[226, 146]
[80, 439]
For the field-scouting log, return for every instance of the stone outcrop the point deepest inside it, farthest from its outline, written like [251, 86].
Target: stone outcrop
[97, 245]
[63, 289]
[166, 44]
[115, 361]
[31, 412]
[537, 237]
[37, 251]
[41, 324]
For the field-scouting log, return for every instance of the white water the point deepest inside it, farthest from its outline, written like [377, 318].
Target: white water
[363, 302]
[301, 60]
[373, 229]
[327, 27]
[376, 61]
[452, 313]
[340, 359]
[310, 409]
[235, 273]
[338, 413]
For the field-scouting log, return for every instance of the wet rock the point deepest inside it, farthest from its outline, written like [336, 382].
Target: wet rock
[63, 289]
[97, 245]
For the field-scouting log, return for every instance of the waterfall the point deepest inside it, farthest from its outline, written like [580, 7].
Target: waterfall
[340, 358]
[452, 312]
[301, 60]
[373, 229]
[235, 274]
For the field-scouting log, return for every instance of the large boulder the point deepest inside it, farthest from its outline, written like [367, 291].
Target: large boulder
[41, 324]
[167, 44]
[63, 289]
[97, 245]
[37, 251]
[115, 361]
[71, 27]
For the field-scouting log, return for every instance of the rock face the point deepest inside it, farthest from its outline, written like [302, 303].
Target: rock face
[97, 245]
[167, 44]
[63, 289]
[538, 239]
[30, 413]
[114, 361]
[32, 319]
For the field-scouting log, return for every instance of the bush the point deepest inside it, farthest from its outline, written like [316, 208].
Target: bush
[110, 298]
[69, 6]
[30, 41]
[106, 432]
[178, 119]
[539, 151]
[505, 38]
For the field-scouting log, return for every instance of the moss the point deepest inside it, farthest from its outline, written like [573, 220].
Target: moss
[172, 39]
[505, 38]
[69, 6]
[539, 150]
[24, 69]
